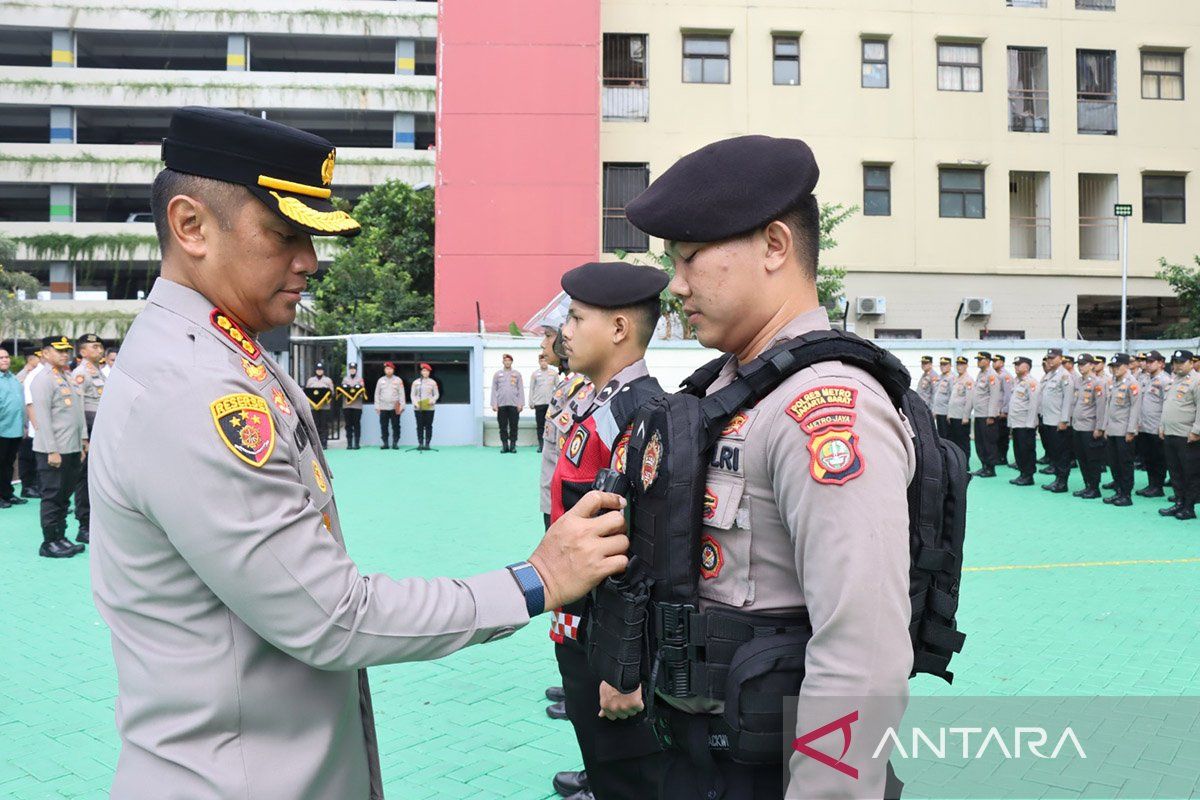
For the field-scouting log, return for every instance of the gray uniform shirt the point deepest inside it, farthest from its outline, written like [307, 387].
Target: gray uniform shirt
[960, 397]
[926, 386]
[424, 393]
[795, 524]
[941, 393]
[240, 626]
[508, 389]
[388, 392]
[1124, 398]
[58, 409]
[1154, 393]
[89, 381]
[1179, 416]
[349, 388]
[1091, 405]
[571, 388]
[541, 386]
[988, 394]
[1056, 395]
[1022, 408]
[1007, 381]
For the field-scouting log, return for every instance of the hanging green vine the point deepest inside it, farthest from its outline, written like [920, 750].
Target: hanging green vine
[120, 247]
[108, 324]
[222, 18]
[30, 163]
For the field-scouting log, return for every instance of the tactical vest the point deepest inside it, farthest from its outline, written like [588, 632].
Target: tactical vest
[645, 627]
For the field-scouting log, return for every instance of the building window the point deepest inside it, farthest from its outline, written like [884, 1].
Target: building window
[622, 183]
[1097, 5]
[877, 190]
[960, 193]
[1098, 227]
[960, 68]
[1163, 199]
[705, 59]
[626, 92]
[897, 333]
[1026, 3]
[1096, 91]
[1001, 334]
[1028, 90]
[1162, 75]
[874, 63]
[787, 60]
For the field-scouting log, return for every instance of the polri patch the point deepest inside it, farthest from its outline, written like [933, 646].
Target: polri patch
[234, 333]
[835, 457]
[711, 558]
[820, 397]
[255, 372]
[246, 427]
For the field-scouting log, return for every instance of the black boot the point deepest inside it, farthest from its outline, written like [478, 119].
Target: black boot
[1122, 500]
[985, 472]
[1186, 512]
[1046, 470]
[1109, 485]
[1170, 511]
[83, 537]
[1058, 487]
[1024, 480]
[568, 783]
[1089, 493]
[557, 710]
[1150, 491]
[56, 549]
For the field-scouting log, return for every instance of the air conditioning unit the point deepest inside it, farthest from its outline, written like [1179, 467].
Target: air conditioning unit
[977, 306]
[870, 306]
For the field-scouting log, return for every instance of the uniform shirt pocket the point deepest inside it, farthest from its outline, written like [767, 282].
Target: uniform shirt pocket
[725, 542]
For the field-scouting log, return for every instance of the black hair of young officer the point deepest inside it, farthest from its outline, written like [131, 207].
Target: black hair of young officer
[223, 199]
[645, 315]
[804, 220]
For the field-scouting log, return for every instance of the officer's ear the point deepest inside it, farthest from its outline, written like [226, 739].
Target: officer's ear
[185, 219]
[779, 242]
[622, 326]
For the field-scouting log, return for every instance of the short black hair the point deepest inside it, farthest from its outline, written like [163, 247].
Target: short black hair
[645, 315]
[804, 219]
[223, 198]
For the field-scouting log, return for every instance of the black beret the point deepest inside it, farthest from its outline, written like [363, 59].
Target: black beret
[288, 169]
[1182, 355]
[1154, 355]
[726, 189]
[89, 338]
[57, 342]
[1022, 360]
[1119, 358]
[614, 284]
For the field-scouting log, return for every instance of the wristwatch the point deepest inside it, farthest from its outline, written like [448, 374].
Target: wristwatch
[531, 586]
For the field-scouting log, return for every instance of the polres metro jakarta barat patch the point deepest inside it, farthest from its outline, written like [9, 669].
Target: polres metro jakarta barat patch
[824, 413]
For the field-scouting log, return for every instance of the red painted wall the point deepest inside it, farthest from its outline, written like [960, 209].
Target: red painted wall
[518, 149]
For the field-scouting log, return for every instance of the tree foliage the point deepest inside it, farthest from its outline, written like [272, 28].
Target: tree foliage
[1185, 282]
[382, 279]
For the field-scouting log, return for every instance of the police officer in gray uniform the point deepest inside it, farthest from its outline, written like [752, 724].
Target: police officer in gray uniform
[1005, 378]
[1057, 394]
[1120, 430]
[1154, 392]
[240, 627]
[352, 392]
[927, 383]
[89, 383]
[789, 529]
[1022, 421]
[319, 380]
[1180, 432]
[941, 397]
[1087, 427]
[541, 388]
[60, 444]
[959, 408]
[986, 402]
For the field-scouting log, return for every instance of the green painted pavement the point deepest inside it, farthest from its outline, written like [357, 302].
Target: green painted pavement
[473, 725]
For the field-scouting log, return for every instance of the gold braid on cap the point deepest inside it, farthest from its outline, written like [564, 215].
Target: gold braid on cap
[327, 221]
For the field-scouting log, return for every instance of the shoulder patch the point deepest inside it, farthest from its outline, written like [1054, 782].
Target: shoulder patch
[280, 400]
[233, 332]
[1133, 388]
[735, 424]
[255, 372]
[621, 450]
[245, 426]
[835, 458]
[827, 419]
[811, 400]
[651, 458]
[574, 451]
[79, 378]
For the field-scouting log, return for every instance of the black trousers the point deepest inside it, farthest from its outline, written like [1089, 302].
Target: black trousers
[1046, 446]
[424, 426]
[8, 458]
[508, 417]
[539, 414]
[57, 485]
[352, 419]
[83, 503]
[1120, 455]
[942, 424]
[960, 434]
[1058, 447]
[1153, 458]
[321, 418]
[1025, 450]
[1183, 460]
[389, 419]
[1092, 455]
[27, 466]
[1001, 440]
[623, 758]
[985, 442]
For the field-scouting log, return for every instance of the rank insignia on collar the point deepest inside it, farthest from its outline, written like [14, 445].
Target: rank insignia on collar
[234, 333]
[255, 372]
[246, 427]
[835, 456]
[280, 400]
[651, 459]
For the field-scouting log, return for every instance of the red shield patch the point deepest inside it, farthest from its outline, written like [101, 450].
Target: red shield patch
[651, 459]
[711, 558]
[835, 456]
[245, 426]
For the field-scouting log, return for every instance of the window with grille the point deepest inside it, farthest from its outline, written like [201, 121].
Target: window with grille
[897, 333]
[1028, 90]
[626, 91]
[874, 63]
[1163, 199]
[705, 59]
[1162, 75]
[877, 190]
[1096, 91]
[960, 68]
[960, 193]
[786, 70]
[622, 183]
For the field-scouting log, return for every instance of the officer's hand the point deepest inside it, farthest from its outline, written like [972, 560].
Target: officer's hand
[1129, 437]
[1097, 434]
[583, 547]
[54, 460]
[1162, 435]
[615, 706]
[83, 455]
[1193, 438]
[991, 420]
[1062, 426]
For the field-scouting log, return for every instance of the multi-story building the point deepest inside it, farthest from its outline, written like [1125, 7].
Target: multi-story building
[86, 91]
[985, 143]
